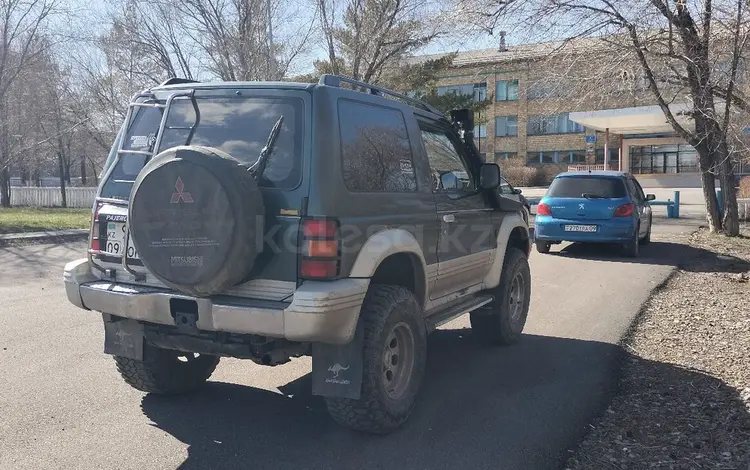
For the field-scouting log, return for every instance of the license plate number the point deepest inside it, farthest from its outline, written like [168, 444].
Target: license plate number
[116, 241]
[580, 228]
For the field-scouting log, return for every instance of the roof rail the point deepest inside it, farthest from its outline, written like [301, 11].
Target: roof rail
[177, 81]
[335, 81]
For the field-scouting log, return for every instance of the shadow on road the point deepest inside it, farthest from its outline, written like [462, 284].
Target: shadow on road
[480, 407]
[687, 257]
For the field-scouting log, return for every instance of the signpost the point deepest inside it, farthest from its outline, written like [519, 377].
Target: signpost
[590, 147]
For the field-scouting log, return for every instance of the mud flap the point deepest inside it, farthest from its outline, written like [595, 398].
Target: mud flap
[337, 369]
[123, 337]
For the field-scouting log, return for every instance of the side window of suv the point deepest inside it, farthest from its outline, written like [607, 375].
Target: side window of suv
[448, 170]
[375, 151]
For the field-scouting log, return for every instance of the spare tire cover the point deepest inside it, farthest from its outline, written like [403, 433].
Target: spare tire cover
[195, 217]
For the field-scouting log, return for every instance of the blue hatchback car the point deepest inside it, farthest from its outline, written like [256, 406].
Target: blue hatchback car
[594, 207]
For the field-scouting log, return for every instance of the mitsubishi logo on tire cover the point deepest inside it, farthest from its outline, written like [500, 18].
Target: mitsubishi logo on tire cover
[181, 194]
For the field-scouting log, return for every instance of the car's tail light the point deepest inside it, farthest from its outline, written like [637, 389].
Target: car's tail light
[321, 247]
[543, 209]
[624, 210]
[94, 247]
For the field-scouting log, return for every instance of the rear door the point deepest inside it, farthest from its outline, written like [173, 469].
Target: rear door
[586, 197]
[238, 121]
[466, 236]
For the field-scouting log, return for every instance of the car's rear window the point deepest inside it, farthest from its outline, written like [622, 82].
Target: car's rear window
[237, 125]
[590, 186]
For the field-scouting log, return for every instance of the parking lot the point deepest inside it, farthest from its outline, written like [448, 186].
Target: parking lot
[64, 405]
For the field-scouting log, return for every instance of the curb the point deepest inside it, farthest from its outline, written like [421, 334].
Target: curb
[44, 237]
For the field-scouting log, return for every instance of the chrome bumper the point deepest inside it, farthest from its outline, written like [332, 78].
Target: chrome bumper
[325, 312]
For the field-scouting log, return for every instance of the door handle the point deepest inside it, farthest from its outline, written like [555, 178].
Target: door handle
[449, 218]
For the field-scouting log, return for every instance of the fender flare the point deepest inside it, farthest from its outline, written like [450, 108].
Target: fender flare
[385, 243]
[510, 222]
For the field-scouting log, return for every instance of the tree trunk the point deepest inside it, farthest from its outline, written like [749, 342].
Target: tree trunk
[5, 188]
[731, 221]
[83, 172]
[62, 180]
[708, 183]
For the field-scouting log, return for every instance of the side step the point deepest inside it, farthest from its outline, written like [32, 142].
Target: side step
[456, 308]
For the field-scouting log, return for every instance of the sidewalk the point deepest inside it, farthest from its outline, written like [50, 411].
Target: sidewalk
[45, 236]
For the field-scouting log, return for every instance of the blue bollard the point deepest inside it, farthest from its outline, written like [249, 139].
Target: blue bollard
[720, 201]
[670, 211]
[676, 204]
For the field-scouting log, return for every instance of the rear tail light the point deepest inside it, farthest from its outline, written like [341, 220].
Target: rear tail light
[321, 249]
[624, 210]
[94, 247]
[543, 209]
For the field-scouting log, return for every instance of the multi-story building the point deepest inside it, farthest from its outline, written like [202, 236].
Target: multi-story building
[531, 118]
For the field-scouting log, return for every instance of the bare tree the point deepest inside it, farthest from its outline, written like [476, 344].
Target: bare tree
[365, 37]
[687, 52]
[22, 24]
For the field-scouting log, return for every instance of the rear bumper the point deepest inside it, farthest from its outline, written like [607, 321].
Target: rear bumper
[324, 312]
[548, 228]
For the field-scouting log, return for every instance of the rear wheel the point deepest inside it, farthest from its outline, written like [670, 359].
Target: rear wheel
[632, 248]
[543, 247]
[165, 371]
[394, 360]
[502, 321]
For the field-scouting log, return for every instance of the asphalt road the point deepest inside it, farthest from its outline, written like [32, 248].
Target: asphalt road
[63, 405]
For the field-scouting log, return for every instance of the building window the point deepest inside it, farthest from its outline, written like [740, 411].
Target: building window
[480, 131]
[479, 90]
[507, 90]
[614, 155]
[553, 124]
[548, 88]
[556, 156]
[506, 126]
[505, 155]
[657, 159]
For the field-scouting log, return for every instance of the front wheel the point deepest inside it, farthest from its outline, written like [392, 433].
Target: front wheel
[503, 320]
[165, 371]
[394, 361]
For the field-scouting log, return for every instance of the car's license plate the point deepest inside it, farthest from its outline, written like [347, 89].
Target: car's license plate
[580, 228]
[116, 240]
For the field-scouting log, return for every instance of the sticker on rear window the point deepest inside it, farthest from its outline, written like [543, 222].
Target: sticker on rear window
[406, 166]
[142, 141]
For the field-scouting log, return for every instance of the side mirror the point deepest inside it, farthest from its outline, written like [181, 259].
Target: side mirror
[517, 191]
[489, 176]
[650, 197]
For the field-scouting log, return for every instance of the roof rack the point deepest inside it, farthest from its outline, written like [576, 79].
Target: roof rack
[177, 81]
[335, 81]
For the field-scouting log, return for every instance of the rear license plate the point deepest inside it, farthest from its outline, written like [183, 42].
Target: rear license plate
[116, 240]
[580, 228]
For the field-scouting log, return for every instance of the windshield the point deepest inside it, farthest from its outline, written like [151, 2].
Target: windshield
[237, 125]
[587, 186]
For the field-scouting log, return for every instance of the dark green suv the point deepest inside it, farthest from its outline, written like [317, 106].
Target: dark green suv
[273, 220]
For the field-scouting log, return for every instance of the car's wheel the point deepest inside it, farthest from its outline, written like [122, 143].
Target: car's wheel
[542, 246]
[394, 360]
[632, 248]
[502, 321]
[165, 371]
[647, 239]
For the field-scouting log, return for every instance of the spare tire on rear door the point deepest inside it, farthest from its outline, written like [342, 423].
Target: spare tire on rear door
[196, 219]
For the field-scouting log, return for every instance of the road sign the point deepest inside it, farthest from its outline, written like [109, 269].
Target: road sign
[591, 139]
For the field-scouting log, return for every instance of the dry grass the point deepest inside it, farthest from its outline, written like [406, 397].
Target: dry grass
[744, 191]
[23, 219]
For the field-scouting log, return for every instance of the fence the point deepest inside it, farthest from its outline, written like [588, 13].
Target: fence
[52, 197]
[587, 167]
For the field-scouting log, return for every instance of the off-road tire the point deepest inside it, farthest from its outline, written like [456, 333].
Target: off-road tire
[375, 412]
[631, 249]
[495, 323]
[542, 247]
[162, 372]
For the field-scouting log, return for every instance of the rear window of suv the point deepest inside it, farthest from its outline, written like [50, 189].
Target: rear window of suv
[237, 125]
[591, 186]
